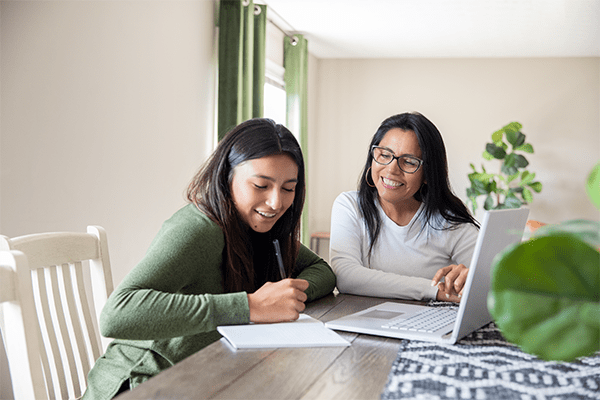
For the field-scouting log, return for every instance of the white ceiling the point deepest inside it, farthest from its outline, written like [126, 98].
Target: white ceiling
[443, 28]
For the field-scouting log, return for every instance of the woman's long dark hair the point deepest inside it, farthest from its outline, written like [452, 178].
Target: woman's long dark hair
[436, 194]
[210, 191]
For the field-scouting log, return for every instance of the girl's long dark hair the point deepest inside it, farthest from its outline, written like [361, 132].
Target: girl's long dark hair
[436, 194]
[210, 191]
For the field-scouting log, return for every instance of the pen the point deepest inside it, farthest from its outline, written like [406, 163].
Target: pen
[279, 259]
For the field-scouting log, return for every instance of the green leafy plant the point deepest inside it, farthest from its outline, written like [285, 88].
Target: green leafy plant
[513, 185]
[545, 292]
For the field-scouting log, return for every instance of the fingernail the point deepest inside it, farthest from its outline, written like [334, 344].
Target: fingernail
[460, 296]
[433, 283]
[447, 296]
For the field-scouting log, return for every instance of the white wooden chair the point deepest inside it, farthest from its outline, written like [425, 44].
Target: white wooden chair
[50, 326]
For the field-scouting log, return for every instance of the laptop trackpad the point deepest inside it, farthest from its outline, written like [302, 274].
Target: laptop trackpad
[382, 314]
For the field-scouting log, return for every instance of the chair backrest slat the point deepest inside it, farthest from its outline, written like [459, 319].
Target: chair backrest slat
[65, 314]
[91, 342]
[60, 325]
[55, 375]
[76, 330]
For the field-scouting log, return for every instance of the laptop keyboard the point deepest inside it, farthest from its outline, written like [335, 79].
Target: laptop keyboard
[429, 320]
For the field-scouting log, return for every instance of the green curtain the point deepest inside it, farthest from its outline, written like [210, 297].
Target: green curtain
[242, 33]
[295, 62]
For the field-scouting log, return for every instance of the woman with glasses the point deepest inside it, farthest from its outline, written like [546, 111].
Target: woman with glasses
[403, 230]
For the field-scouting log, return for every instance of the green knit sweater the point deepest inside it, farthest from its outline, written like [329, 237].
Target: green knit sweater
[169, 306]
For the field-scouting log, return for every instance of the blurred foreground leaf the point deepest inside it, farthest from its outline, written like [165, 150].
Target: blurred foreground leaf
[593, 186]
[588, 231]
[545, 296]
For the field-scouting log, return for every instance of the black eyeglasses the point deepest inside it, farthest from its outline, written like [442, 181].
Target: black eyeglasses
[383, 156]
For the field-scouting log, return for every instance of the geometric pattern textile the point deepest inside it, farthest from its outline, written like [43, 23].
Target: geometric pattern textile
[484, 365]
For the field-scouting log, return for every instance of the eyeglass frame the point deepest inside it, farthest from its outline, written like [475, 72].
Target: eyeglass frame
[396, 158]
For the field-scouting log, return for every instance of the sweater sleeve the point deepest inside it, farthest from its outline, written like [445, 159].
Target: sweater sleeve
[348, 241]
[176, 289]
[317, 272]
[463, 246]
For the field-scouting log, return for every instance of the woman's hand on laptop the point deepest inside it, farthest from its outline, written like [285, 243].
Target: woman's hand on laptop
[451, 289]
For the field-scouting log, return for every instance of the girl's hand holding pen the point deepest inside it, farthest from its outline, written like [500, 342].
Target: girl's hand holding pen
[278, 301]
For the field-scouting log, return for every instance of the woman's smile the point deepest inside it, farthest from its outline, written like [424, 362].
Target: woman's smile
[390, 184]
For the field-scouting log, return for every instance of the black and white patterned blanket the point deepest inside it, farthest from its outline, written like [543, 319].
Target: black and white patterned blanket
[484, 365]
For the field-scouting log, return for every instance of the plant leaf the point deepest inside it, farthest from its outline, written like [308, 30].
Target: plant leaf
[482, 177]
[513, 162]
[511, 136]
[512, 178]
[497, 136]
[513, 126]
[492, 187]
[515, 138]
[520, 140]
[527, 195]
[526, 177]
[587, 231]
[478, 187]
[489, 203]
[545, 297]
[510, 160]
[487, 156]
[536, 186]
[473, 202]
[517, 189]
[508, 169]
[593, 186]
[520, 161]
[526, 147]
[512, 202]
[495, 151]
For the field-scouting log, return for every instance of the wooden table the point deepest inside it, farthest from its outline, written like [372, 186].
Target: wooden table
[218, 372]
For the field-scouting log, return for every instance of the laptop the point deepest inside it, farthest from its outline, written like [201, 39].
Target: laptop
[446, 324]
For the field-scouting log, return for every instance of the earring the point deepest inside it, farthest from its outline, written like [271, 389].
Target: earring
[367, 178]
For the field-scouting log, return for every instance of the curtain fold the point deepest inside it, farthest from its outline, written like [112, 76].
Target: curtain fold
[260, 58]
[295, 62]
[242, 33]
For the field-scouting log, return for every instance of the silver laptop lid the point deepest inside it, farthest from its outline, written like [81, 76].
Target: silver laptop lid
[499, 229]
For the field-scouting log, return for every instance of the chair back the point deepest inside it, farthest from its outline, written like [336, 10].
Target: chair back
[50, 323]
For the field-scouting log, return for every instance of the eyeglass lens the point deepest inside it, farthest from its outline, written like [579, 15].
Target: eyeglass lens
[406, 164]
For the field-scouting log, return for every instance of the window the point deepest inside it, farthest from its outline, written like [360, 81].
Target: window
[274, 100]
[275, 103]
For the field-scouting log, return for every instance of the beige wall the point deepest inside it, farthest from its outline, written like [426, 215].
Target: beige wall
[106, 113]
[556, 100]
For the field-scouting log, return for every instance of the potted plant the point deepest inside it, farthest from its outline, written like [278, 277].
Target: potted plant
[545, 292]
[513, 185]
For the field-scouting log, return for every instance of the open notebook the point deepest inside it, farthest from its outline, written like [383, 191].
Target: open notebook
[306, 331]
[499, 229]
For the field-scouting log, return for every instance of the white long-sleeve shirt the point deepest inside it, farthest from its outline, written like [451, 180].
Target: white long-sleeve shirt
[404, 258]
